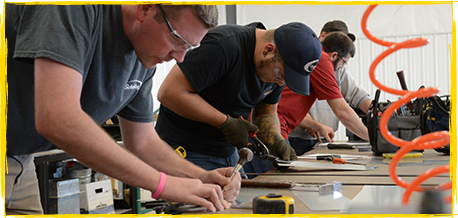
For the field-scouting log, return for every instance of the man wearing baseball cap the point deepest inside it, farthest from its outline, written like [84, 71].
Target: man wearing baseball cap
[237, 70]
[338, 48]
[322, 121]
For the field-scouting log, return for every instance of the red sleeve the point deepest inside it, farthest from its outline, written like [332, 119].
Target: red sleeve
[283, 127]
[323, 79]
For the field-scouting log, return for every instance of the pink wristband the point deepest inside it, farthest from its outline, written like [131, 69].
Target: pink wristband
[160, 187]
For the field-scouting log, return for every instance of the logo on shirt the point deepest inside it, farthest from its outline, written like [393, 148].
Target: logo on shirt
[266, 92]
[133, 84]
[310, 66]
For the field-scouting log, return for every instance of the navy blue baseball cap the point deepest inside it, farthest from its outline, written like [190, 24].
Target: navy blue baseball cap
[300, 48]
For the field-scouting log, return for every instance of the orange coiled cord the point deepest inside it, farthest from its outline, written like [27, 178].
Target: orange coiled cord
[427, 141]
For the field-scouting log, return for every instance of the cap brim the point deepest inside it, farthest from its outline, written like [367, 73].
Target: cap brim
[352, 37]
[297, 82]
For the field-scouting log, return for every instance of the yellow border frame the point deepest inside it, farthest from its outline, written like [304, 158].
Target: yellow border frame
[453, 93]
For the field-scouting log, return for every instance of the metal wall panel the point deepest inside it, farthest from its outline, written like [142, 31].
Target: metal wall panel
[428, 65]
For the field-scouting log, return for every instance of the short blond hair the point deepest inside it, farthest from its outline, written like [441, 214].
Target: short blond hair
[208, 14]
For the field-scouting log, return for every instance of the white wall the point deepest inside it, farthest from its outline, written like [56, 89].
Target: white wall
[163, 69]
[428, 65]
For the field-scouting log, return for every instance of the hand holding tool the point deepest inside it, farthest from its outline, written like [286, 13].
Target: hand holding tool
[235, 130]
[260, 149]
[245, 155]
[282, 149]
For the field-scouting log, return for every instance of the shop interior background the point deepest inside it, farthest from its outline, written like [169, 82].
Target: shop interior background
[428, 65]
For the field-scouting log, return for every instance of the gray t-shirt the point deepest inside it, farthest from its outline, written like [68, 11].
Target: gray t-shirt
[87, 38]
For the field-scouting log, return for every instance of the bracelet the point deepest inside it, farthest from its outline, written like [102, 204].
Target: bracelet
[160, 187]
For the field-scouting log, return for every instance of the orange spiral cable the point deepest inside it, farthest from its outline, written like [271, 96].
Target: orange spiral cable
[427, 141]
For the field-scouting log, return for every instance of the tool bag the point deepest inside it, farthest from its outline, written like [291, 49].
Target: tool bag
[436, 114]
[406, 126]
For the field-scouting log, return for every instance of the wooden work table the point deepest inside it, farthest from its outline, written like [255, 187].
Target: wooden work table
[408, 169]
[352, 181]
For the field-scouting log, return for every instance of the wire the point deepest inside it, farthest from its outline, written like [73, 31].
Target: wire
[427, 141]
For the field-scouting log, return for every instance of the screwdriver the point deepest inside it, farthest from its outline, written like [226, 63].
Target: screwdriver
[245, 155]
[342, 161]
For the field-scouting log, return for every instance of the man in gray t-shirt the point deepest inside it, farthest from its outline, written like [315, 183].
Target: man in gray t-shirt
[71, 68]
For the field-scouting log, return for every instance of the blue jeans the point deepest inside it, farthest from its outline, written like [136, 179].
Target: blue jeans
[257, 165]
[302, 146]
[209, 162]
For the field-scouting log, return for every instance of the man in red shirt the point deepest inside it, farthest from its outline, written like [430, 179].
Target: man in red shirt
[337, 49]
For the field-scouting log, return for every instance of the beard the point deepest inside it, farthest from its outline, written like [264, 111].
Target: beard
[334, 63]
[263, 63]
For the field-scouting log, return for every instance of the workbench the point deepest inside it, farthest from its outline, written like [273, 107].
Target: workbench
[353, 182]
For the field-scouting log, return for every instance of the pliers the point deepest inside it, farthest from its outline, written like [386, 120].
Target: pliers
[260, 149]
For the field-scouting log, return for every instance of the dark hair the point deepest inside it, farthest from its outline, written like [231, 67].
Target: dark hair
[208, 14]
[338, 42]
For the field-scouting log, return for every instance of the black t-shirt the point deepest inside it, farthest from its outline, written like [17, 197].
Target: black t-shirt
[223, 73]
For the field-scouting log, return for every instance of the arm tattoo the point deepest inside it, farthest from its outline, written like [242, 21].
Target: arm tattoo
[265, 117]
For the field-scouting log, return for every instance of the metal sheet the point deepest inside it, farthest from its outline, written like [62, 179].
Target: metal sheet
[322, 202]
[309, 164]
[376, 199]
[343, 156]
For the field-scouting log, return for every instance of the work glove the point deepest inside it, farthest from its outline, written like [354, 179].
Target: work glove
[283, 150]
[236, 131]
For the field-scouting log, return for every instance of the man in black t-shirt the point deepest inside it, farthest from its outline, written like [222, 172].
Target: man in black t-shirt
[236, 71]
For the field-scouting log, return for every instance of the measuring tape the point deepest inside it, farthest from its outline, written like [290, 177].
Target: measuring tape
[273, 204]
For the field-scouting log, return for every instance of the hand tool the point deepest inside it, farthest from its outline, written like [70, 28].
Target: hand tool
[309, 164]
[336, 159]
[273, 204]
[321, 188]
[245, 155]
[260, 149]
[402, 80]
[340, 146]
[173, 208]
[343, 161]
[318, 157]
[327, 157]
[364, 148]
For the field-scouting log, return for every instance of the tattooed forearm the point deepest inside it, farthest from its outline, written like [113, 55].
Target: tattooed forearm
[265, 117]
